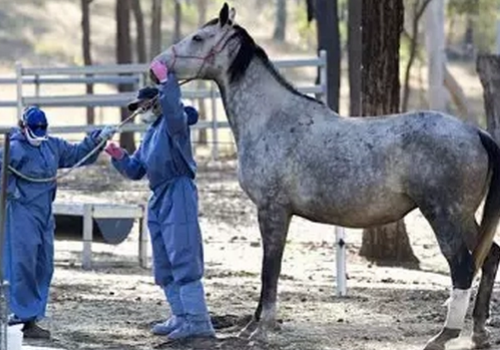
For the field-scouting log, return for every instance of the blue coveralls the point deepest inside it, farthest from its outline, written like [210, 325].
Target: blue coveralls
[165, 157]
[29, 240]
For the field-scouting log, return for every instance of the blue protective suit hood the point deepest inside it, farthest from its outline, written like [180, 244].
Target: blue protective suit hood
[192, 115]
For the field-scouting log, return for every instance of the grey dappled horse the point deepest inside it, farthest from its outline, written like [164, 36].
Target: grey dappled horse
[298, 157]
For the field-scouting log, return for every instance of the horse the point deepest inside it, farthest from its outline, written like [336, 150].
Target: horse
[298, 157]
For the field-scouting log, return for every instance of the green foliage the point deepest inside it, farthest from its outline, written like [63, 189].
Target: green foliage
[485, 25]
[482, 14]
[307, 31]
[463, 7]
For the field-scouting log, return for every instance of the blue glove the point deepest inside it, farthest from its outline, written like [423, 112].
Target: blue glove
[108, 132]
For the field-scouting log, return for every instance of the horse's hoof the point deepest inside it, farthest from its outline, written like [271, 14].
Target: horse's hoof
[481, 340]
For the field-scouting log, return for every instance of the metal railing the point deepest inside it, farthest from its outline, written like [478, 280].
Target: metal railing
[129, 74]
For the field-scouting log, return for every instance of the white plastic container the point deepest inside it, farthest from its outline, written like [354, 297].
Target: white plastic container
[15, 337]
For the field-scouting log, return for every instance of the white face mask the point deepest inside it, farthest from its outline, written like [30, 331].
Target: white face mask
[148, 117]
[33, 140]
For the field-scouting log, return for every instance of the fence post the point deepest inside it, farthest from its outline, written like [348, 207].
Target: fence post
[37, 85]
[340, 244]
[4, 285]
[323, 76]
[215, 136]
[19, 89]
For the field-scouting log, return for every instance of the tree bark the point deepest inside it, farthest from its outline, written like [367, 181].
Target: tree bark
[141, 35]
[355, 45]
[488, 69]
[177, 21]
[280, 26]
[326, 13]
[382, 23]
[124, 56]
[87, 54]
[155, 47]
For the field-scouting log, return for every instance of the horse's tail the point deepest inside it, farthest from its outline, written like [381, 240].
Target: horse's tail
[491, 211]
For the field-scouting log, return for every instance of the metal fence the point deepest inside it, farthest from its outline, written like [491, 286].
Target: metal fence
[134, 74]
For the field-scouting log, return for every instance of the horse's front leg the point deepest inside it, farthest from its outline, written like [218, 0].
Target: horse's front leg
[274, 221]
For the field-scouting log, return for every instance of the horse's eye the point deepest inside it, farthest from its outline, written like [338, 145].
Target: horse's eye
[197, 38]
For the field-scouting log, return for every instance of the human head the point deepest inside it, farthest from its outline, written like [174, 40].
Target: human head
[145, 99]
[151, 109]
[34, 124]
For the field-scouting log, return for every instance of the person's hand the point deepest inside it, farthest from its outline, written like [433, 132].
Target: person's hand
[159, 70]
[108, 132]
[114, 151]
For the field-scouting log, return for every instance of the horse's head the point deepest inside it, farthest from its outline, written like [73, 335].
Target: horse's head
[208, 52]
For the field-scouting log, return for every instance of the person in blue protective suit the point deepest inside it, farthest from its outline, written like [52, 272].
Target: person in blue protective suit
[29, 248]
[165, 158]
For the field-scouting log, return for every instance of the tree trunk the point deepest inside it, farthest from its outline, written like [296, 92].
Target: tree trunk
[488, 69]
[124, 56]
[382, 23]
[202, 133]
[355, 45]
[435, 44]
[329, 39]
[155, 48]
[177, 21]
[418, 11]
[141, 35]
[87, 54]
[280, 26]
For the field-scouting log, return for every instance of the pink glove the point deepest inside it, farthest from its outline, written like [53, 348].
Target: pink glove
[159, 70]
[114, 151]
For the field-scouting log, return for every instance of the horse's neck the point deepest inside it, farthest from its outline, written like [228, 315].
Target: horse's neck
[253, 99]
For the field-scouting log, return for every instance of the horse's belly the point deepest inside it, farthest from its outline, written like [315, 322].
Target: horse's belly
[357, 212]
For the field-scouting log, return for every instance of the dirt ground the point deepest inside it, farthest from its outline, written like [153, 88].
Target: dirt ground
[114, 305]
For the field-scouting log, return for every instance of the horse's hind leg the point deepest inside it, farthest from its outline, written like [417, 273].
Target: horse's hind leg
[274, 221]
[451, 232]
[481, 312]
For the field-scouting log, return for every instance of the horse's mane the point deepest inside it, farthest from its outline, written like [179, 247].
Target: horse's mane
[246, 53]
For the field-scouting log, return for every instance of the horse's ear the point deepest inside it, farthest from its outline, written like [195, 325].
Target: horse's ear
[232, 15]
[224, 15]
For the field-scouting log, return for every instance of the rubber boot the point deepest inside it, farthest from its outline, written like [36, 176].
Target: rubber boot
[197, 322]
[172, 294]
[33, 331]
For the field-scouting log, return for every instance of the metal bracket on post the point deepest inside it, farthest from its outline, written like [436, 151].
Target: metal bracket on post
[341, 261]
